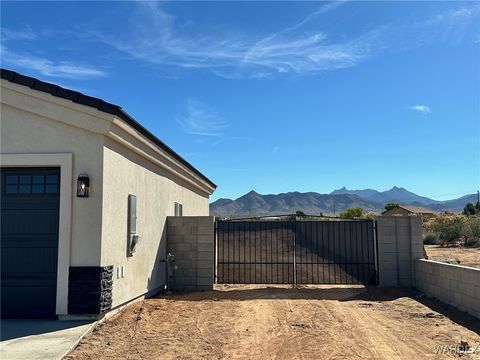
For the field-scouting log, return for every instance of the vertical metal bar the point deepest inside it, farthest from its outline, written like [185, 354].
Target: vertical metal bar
[352, 239]
[250, 252]
[345, 249]
[311, 251]
[357, 274]
[317, 257]
[326, 259]
[215, 245]
[294, 227]
[375, 249]
[335, 237]
[364, 226]
[255, 234]
[265, 240]
[227, 228]
[323, 253]
[223, 254]
[283, 260]
[276, 250]
[244, 254]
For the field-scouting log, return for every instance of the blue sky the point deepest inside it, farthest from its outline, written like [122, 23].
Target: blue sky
[277, 96]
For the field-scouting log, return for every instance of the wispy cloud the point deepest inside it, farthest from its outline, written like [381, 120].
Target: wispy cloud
[18, 34]
[155, 36]
[200, 119]
[38, 64]
[424, 109]
[156, 39]
[60, 69]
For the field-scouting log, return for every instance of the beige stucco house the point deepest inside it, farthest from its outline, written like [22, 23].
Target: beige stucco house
[80, 180]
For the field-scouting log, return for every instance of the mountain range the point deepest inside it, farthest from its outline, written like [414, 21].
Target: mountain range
[314, 203]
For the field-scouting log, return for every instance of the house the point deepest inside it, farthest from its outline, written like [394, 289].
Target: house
[409, 210]
[85, 192]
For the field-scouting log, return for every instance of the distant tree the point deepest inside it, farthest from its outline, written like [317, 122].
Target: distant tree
[353, 212]
[390, 206]
[469, 209]
[477, 208]
[300, 213]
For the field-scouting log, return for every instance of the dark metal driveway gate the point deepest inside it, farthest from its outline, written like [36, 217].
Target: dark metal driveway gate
[296, 252]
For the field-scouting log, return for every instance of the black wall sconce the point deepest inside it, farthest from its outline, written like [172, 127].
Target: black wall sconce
[83, 185]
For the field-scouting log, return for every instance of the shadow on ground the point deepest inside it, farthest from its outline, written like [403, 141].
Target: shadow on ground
[13, 328]
[281, 292]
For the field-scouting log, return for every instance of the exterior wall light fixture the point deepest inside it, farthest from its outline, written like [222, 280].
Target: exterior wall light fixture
[83, 185]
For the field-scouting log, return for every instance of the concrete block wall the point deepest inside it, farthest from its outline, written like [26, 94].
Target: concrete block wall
[191, 240]
[399, 241]
[456, 285]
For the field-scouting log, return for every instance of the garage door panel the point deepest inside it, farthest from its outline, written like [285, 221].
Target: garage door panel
[40, 260]
[27, 301]
[29, 247]
[27, 221]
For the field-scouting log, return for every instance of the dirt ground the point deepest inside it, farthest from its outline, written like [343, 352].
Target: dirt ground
[465, 256]
[250, 322]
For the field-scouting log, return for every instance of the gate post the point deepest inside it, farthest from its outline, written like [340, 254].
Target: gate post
[191, 240]
[399, 245]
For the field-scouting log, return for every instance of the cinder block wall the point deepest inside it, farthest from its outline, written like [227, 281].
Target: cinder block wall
[191, 240]
[399, 240]
[453, 284]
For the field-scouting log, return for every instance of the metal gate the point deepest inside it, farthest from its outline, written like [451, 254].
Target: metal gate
[296, 252]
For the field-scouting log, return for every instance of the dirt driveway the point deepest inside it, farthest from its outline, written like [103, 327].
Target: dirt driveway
[282, 323]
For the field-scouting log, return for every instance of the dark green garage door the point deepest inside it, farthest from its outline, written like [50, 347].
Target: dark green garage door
[29, 243]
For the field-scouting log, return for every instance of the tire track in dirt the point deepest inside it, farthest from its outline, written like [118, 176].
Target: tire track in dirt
[272, 324]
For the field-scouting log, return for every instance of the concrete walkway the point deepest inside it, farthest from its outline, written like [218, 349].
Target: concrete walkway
[40, 339]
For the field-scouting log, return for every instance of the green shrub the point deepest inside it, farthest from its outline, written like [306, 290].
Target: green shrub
[449, 227]
[353, 212]
[471, 230]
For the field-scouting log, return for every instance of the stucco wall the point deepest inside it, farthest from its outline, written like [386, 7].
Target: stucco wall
[126, 172]
[453, 284]
[24, 132]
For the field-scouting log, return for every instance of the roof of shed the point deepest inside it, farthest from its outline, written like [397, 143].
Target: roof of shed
[416, 209]
[98, 104]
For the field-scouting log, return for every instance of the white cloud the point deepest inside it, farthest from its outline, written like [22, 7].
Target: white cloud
[200, 119]
[424, 109]
[23, 34]
[60, 69]
[156, 39]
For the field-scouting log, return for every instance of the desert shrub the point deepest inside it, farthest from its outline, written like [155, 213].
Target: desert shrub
[353, 212]
[471, 230]
[371, 215]
[430, 239]
[448, 227]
